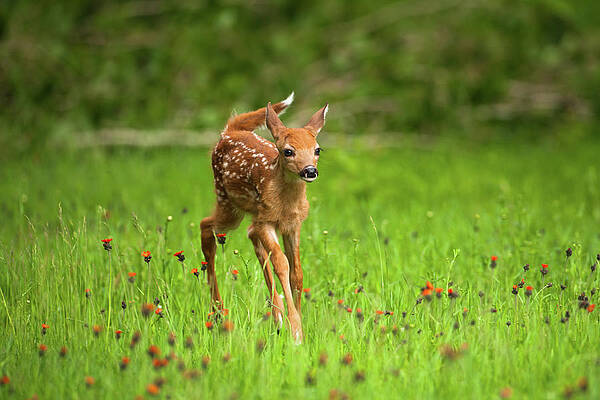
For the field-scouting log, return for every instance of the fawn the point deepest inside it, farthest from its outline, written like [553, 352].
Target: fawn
[267, 180]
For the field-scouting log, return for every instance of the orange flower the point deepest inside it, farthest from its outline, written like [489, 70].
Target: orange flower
[439, 290]
[544, 265]
[225, 311]
[106, 240]
[97, 329]
[349, 309]
[429, 285]
[379, 312]
[235, 272]
[426, 292]
[45, 326]
[494, 258]
[591, 307]
[118, 333]
[131, 274]
[195, 272]
[147, 309]
[89, 381]
[152, 389]
[145, 253]
[340, 302]
[5, 380]
[529, 288]
[306, 290]
[209, 325]
[42, 349]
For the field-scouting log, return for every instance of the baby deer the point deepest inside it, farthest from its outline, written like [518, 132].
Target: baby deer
[268, 181]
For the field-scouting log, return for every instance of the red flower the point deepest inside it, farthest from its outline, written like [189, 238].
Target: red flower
[221, 235]
[124, 362]
[494, 258]
[204, 265]
[358, 310]
[349, 309]
[209, 325]
[379, 312]
[429, 285]
[450, 291]
[158, 311]
[132, 274]
[426, 292]
[544, 265]
[179, 255]
[5, 380]
[195, 272]
[118, 333]
[153, 351]
[235, 272]
[45, 326]
[340, 302]
[306, 290]
[529, 288]
[106, 244]
[439, 290]
[591, 307]
[221, 238]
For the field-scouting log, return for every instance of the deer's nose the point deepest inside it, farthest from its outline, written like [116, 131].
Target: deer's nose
[309, 173]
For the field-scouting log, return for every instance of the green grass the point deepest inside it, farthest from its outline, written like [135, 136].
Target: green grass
[395, 218]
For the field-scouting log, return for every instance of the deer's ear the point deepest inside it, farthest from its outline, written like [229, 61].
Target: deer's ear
[273, 122]
[317, 120]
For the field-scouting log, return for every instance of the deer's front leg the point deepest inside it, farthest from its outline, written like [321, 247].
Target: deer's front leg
[268, 237]
[291, 242]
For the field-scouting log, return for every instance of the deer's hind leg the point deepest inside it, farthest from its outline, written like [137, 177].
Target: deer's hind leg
[222, 220]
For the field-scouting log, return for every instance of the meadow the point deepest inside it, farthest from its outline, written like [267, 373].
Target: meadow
[384, 223]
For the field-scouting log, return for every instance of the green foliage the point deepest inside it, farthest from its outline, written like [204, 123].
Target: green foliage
[443, 66]
[439, 215]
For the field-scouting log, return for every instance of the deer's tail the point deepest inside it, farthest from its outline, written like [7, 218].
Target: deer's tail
[251, 120]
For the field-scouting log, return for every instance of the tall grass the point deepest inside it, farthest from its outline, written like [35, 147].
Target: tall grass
[384, 220]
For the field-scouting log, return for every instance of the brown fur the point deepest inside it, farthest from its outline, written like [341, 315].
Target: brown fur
[252, 175]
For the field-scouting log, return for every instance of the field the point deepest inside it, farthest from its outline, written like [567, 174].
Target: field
[383, 222]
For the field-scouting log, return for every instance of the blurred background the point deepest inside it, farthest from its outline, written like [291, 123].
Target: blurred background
[143, 73]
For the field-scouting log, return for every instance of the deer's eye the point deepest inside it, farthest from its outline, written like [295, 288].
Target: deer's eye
[317, 151]
[288, 152]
